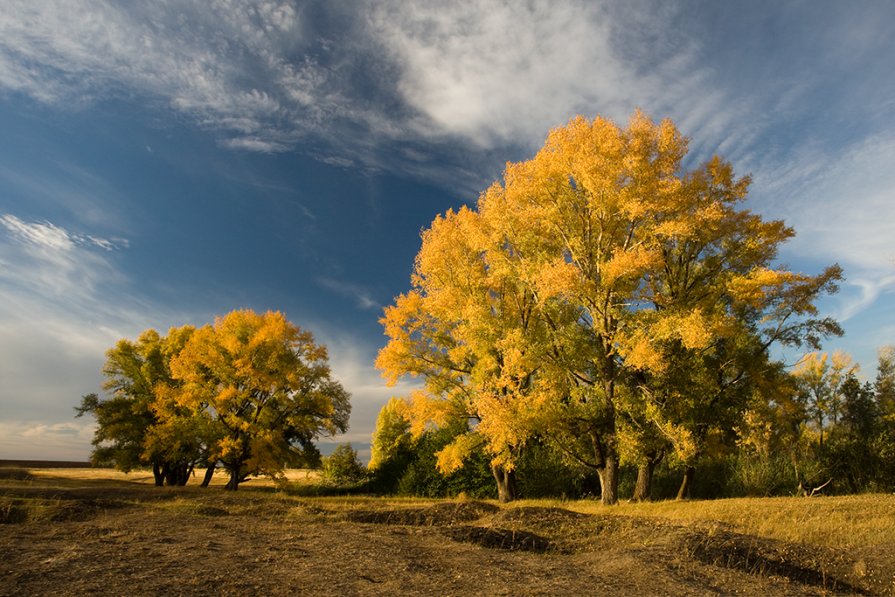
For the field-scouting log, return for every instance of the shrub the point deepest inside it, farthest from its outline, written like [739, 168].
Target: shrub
[343, 467]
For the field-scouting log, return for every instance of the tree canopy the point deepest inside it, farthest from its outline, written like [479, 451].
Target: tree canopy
[251, 391]
[600, 287]
[127, 420]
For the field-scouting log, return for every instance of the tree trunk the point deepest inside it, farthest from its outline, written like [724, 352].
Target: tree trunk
[506, 483]
[609, 481]
[686, 484]
[209, 472]
[643, 487]
[181, 474]
[157, 475]
[233, 483]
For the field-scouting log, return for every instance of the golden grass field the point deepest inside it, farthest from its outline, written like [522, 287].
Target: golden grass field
[99, 531]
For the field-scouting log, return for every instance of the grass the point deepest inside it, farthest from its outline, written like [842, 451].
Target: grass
[840, 521]
[733, 545]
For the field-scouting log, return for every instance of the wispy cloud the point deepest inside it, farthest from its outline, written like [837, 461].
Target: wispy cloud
[360, 295]
[842, 205]
[48, 261]
[256, 71]
[352, 364]
[46, 235]
[368, 84]
[65, 301]
[211, 64]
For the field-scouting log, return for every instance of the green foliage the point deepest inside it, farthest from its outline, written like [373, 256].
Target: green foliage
[543, 472]
[343, 467]
[421, 477]
[760, 476]
[128, 433]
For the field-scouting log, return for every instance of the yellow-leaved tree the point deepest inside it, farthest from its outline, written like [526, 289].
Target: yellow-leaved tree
[264, 385]
[820, 377]
[470, 328]
[599, 284]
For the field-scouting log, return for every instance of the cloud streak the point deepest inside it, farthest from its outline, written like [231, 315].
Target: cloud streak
[360, 295]
[259, 73]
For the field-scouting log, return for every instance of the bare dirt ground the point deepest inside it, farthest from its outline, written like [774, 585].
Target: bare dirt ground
[68, 537]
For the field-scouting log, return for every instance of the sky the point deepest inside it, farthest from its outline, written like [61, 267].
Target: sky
[167, 161]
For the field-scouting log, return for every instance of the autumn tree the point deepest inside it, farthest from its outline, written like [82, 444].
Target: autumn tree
[821, 379]
[264, 385]
[884, 385]
[624, 288]
[469, 327]
[136, 372]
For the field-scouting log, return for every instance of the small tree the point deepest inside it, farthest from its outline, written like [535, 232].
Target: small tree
[137, 374]
[821, 379]
[265, 385]
[343, 466]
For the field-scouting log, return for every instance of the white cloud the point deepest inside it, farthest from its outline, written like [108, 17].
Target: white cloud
[361, 296]
[352, 364]
[495, 72]
[45, 235]
[255, 144]
[38, 440]
[48, 261]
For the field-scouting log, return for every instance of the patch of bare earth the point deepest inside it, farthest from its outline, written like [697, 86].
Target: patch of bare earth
[187, 541]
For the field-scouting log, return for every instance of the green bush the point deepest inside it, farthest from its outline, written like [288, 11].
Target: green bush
[421, 476]
[343, 467]
[542, 472]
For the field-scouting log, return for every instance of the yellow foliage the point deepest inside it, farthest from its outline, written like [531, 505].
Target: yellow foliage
[754, 288]
[451, 457]
[632, 263]
[596, 258]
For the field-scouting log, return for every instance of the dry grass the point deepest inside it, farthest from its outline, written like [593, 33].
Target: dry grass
[77, 531]
[145, 476]
[840, 522]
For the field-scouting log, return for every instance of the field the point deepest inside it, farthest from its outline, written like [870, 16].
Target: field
[78, 531]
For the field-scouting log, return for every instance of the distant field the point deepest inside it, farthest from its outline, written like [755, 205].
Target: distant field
[145, 477]
[98, 531]
[44, 464]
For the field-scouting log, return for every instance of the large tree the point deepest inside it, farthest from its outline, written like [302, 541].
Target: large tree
[264, 385]
[470, 328]
[629, 292]
[136, 373]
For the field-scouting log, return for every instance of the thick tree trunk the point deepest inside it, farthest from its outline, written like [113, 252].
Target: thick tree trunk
[209, 472]
[176, 473]
[686, 484]
[233, 483]
[157, 475]
[506, 483]
[643, 487]
[609, 481]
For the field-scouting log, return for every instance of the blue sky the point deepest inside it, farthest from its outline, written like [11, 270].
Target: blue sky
[166, 161]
